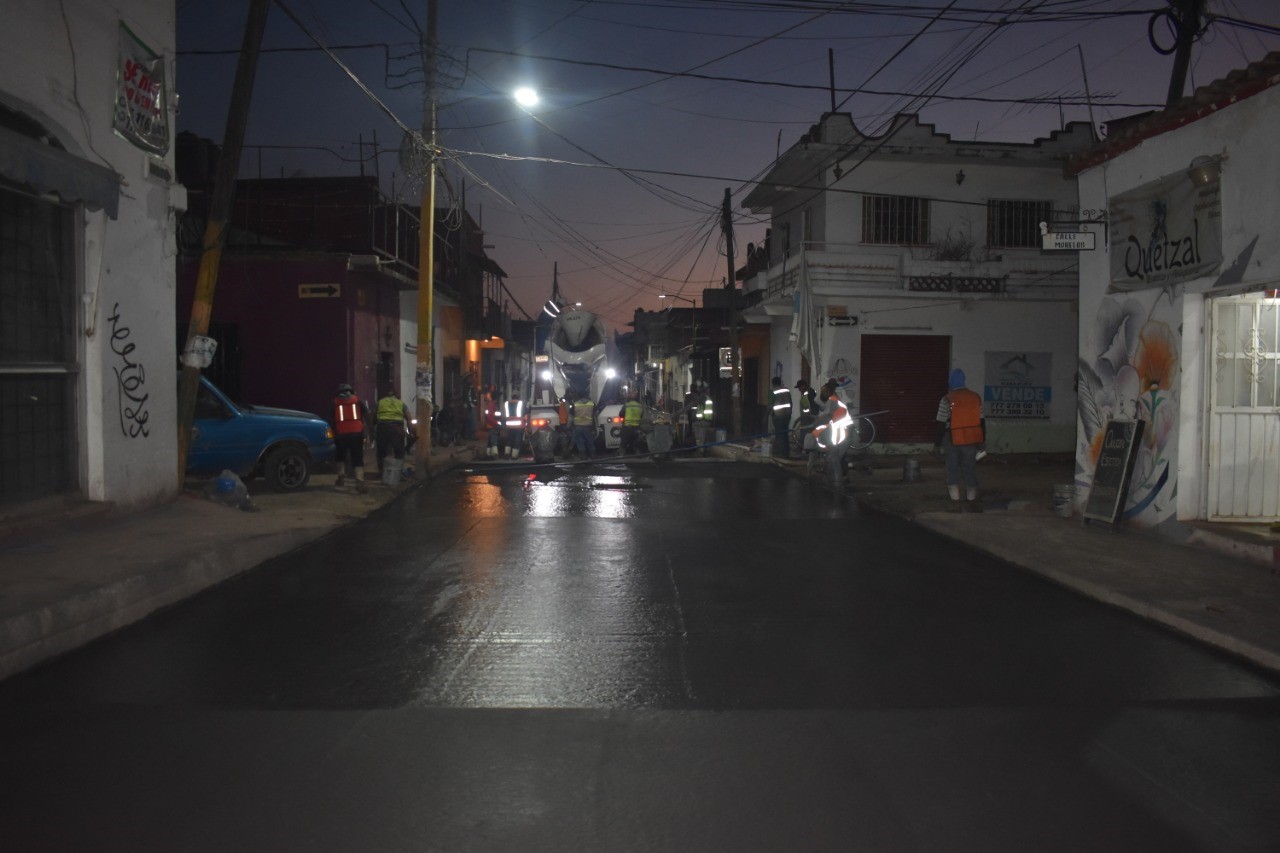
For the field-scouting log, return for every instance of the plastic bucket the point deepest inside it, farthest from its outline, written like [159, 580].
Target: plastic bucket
[910, 470]
[1064, 497]
[392, 468]
[721, 436]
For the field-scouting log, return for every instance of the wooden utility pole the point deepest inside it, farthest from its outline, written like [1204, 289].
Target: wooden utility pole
[1188, 26]
[424, 376]
[731, 291]
[219, 213]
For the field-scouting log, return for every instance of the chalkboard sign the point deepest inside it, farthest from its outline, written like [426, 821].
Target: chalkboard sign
[1111, 475]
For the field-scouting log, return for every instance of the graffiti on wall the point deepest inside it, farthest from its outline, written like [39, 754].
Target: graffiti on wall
[131, 379]
[1130, 370]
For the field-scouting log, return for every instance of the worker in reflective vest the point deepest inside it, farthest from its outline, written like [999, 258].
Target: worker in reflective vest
[781, 419]
[962, 433]
[513, 426]
[632, 414]
[393, 423]
[832, 431]
[584, 426]
[349, 423]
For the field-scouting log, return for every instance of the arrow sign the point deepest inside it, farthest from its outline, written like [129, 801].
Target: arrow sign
[321, 291]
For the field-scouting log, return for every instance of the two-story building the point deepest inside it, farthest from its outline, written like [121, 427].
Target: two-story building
[892, 259]
[87, 209]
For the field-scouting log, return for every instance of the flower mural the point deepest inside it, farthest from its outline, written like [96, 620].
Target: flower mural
[1131, 373]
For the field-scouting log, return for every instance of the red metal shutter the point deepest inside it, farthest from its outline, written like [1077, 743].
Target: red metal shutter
[906, 374]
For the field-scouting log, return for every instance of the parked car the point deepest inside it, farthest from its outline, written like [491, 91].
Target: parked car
[281, 445]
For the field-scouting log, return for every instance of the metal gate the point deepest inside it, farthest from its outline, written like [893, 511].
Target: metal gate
[1244, 412]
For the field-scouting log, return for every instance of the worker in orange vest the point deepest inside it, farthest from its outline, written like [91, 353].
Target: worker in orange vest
[962, 434]
[350, 420]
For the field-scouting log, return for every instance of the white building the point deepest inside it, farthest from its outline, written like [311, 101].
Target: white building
[894, 259]
[87, 201]
[1179, 320]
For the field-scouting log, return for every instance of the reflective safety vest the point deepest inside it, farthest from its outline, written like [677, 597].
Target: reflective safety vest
[966, 417]
[390, 408]
[513, 413]
[346, 415]
[839, 427]
[584, 413]
[781, 403]
[632, 412]
[706, 412]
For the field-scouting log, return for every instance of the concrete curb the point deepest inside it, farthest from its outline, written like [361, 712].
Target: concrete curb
[89, 612]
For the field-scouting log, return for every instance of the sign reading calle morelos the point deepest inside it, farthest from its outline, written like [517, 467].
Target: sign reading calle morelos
[1165, 232]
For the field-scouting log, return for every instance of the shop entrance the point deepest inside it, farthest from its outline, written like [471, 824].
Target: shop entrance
[1244, 412]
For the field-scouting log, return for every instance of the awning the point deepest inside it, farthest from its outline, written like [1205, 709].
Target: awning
[46, 169]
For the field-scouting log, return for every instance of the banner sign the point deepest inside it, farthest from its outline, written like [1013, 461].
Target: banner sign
[140, 114]
[1165, 232]
[1017, 385]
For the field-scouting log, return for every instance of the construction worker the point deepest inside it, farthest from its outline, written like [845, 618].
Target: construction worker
[349, 431]
[514, 421]
[832, 431]
[393, 423]
[962, 431]
[632, 414]
[781, 419]
[584, 425]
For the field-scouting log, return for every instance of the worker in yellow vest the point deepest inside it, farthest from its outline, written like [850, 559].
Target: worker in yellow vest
[584, 426]
[632, 414]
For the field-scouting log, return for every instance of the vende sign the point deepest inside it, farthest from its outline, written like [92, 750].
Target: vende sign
[140, 114]
[1165, 232]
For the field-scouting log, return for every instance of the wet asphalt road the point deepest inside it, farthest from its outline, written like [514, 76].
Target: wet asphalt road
[694, 656]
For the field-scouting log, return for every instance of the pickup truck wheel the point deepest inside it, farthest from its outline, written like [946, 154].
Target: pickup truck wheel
[287, 468]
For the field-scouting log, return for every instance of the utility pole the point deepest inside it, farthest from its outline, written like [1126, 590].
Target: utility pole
[1188, 18]
[731, 291]
[215, 233]
[424, 377]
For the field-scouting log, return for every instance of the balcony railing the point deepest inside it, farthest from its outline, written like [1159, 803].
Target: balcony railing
[854, 268]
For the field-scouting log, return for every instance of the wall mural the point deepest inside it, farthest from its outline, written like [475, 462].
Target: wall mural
[131, 378]
[1130, 368]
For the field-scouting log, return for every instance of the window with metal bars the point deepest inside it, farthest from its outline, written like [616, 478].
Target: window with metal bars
[1015, 223]
[895, 220]
[37, 347]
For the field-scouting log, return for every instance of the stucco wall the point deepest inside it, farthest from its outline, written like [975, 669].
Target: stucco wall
[62, 73]
[1123, 335]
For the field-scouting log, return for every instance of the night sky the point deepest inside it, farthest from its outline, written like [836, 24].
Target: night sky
[651, 110]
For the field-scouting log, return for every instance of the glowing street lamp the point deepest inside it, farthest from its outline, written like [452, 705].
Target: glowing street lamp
[526, 97]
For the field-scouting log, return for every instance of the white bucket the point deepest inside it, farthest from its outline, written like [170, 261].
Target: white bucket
[392, 468]
[1064, 497]
[721, 436]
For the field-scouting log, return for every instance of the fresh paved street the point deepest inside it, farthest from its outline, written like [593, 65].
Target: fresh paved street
[692, 656]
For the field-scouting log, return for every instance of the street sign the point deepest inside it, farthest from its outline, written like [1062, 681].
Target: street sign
[318, 291]
[1066, 241]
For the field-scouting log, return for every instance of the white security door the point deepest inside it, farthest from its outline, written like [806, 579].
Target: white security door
[1244, 419]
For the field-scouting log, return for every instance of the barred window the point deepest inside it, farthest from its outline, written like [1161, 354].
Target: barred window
[895, 219]
[1015, 224]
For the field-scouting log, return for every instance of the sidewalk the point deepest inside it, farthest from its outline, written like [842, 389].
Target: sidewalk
[1207, 588]
[65, 584]
[73, 579]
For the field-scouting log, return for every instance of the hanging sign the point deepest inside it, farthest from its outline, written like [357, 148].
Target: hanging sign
[1111, 475]
[140, 115]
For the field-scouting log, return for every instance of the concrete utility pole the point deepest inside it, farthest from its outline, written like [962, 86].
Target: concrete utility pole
[215, 233]
[735, 372]
[1188, 17]
[424, 374]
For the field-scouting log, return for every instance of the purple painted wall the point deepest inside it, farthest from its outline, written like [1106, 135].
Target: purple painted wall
[293, 351]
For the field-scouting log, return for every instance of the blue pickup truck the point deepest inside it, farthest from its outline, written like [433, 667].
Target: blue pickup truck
[281, 445]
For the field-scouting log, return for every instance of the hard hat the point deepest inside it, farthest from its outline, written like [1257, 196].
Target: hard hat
[345, 387]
